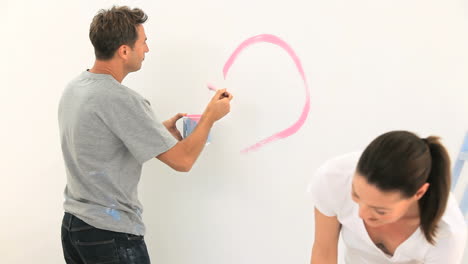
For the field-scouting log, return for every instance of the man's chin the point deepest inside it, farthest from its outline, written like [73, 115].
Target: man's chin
[136, 69]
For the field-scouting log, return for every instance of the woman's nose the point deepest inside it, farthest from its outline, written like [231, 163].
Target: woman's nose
[364, 212]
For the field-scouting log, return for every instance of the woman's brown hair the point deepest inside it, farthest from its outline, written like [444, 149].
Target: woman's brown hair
[402, 161]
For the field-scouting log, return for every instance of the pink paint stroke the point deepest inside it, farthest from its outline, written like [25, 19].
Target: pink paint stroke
[305, 111]
[211, 87]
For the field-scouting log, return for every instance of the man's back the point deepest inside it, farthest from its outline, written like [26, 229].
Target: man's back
[107, 132]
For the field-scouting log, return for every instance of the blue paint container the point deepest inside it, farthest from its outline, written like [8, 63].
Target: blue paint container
[190, 122]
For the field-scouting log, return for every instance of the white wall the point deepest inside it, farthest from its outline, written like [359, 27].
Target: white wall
[373, 66]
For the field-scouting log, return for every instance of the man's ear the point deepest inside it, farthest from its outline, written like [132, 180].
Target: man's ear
[123, 52]
[420, 193]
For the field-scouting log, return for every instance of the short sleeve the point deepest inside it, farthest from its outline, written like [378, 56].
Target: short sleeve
[320, 191]
[451, 238]
[330, 186]
[132, 120]
[448, 249]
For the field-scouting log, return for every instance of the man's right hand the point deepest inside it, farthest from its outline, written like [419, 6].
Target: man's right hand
[219, 106]
[183, 155]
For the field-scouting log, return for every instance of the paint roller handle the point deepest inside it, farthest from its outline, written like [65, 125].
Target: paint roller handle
[218, 107]
[214, 89]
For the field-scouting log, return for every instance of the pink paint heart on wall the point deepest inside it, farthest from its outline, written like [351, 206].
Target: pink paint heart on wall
[305, 111]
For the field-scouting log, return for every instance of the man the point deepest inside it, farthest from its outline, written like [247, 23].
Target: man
[107, 132]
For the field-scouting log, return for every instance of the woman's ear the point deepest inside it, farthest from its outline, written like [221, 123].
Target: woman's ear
[420, 193]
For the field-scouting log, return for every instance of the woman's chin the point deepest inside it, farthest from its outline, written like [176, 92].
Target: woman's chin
[373, 223]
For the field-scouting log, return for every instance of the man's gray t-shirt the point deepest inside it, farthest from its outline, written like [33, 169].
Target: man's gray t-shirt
[107, 132]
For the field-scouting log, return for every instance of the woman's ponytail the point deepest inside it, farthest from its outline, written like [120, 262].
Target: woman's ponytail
[432, 205]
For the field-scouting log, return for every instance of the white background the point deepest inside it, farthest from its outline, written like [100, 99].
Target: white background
[372, 66]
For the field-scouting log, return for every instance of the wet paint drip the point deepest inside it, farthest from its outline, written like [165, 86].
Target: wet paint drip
[114, 213]
[129, 255]
[138, 212]
[305, 111]
[138, 229]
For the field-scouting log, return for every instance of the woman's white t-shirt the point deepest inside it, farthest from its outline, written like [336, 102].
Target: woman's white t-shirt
[331, 192]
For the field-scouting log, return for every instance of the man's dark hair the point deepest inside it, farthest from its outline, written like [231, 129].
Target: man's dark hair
[114, 27]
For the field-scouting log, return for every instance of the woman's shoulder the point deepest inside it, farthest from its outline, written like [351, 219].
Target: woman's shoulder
[331, 184]
[451, 236]
[339, 168]
[452, 222]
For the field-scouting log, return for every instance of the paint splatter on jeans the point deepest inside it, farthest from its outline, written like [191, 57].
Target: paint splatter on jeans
[85, 244]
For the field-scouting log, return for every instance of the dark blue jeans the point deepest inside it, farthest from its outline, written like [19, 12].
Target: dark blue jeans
[85, 244]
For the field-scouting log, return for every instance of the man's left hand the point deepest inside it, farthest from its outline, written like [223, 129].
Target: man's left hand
[170, 124]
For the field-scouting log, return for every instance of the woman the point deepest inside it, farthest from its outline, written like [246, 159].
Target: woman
[392, 204]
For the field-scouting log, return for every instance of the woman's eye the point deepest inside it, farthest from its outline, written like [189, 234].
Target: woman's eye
[380, 212]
